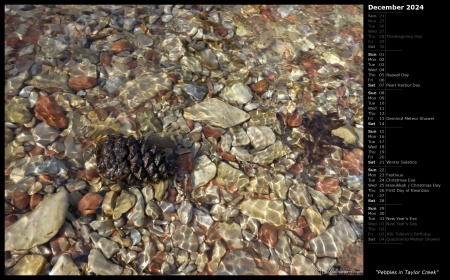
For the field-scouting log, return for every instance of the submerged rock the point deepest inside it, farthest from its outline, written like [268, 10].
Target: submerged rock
[40, 225]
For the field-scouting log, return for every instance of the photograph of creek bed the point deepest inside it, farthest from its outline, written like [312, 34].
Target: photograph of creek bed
[183, 139]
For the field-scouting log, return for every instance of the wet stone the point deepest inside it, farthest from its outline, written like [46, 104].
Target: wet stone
[301, 265]
[197, 92]
[184, 238]
[324, 265]
[145, 86]
[28, 265]
[137, 214]
[108, 247]
[238, 262]
[232, 234]
[152, 210]
[271, 153]
[327, 185]
[40, 225]
[51, 47]
[345, 133]
[216, 113]
[109, 202]
[299, 195]
[334, 240]
[191, 64]
[185, 212]
[13, 84]
[239, 136]
[209, 196]
[20, 200]
[282, 248]
[268, 234]
[279, 185]
[16, 110]
[44, 134]
[204, 171]
[98, 264]
[264, 210]
[238, 93]
[174, 46]
[82, 82]
[104, 228]
[65, 266]
[208, 59]
[125, 201]
[262, 117]
[314, 220]
[228, 176]
[320, 199]
[261, 136]
[89, 203]
[49, 82]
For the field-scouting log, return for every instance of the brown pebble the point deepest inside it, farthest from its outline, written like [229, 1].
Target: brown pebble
[46, 179]
[119, 46]
[268, 234]
[195, 136]
[327, 185]
[132, 64]
[302, 222]
[221, 30]
[89, 203]
[190, 123]
[105, 58]
[353, 161]
[185, 163]
[209, 132]
[35, 200]
[308, 234]
[36, 151]
[227, 156]
[295, 169]
[260, 87]
[173, 78]
[101, 113]
[292, 119]
[9, 220]
[20, 200]
[82, 82]
[46, 109]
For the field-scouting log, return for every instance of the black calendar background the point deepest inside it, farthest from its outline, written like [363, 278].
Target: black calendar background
[421, 141]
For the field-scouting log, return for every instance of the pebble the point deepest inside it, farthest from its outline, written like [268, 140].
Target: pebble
[137, 213]
[264, 210]
[46, 109]
[82, 82]
[125, 201]
[216, 113]
[327, 185]
[108, 247]
[98, 264]
[353, 161]
[271, 153]
[237, 93]
[301, 265]
[238, 262]
[232, 235]
[320, 199]
[334, 240]
[261, 136]
[209, 196]
[28, 265]
[109, 201]
[260, 87]
[65, 266]
[40, 225]
[184, 238]
[314, 220]
[16, 110]
[20, 200]
[204, 171]
[145, 86]
[185, 212]
[197, 92]
[345, 133]
[89, 203]
[228, 176]
[299, 195]
[268, 234]
[238, 136]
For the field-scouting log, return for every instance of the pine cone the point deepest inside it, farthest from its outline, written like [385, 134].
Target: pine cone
[131, 160]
